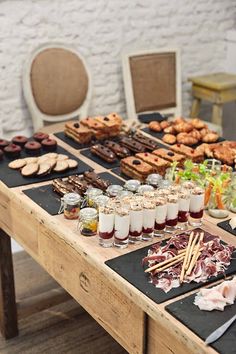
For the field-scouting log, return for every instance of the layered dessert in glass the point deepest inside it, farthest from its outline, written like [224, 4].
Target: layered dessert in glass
[136, 220]
[149, 216]
[106, 225]
[160, 219]
[122, 221]
[184, 202]
[172, 213]
[196, 206]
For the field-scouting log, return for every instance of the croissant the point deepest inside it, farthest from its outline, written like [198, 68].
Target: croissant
[169, 139]
[196, 134]
[155, 126]
[164, 124]
[198, 123]
[170, 130]
[179, 120]
[183, 127]
[186, 139]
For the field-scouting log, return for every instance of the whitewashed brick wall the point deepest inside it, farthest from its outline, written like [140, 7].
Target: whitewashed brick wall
[100, 29]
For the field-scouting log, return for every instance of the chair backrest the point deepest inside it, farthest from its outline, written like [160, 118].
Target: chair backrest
[152, 81]
[56, 84]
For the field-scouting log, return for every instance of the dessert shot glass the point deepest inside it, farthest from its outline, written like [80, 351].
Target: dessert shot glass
[106, 225]
[183, 214]
[136, 220]
[196, 206]
[149, 216]
[172, 213]
[122, 221]
[160, 217]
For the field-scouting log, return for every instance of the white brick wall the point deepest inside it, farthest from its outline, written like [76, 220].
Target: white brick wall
[100, 29]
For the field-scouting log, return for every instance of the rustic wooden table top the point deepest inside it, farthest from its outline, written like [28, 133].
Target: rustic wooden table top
[77, 264]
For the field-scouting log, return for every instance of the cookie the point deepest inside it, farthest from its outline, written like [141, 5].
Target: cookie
[31, 160]
[72, 163]
[61, 157]
[44, 168]
[17, 164]
[30, 170]
[61, 166]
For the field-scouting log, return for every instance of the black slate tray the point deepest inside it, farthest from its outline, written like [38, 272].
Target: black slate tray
[149, 117]
[99, 161]
[203, 323]
[225, 226]
[13, 178]
[130, 268]
[73, 143]
[118, 172]
[50, 201]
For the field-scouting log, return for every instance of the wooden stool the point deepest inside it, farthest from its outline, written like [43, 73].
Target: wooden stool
[217, 88]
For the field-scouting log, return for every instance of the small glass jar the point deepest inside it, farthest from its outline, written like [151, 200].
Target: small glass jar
[70, 205]
[145, 188]
[92, 194]
[154, 179]
[101, 200]
[106, 225]
[114, 190]
[132, 185]
[88, 221]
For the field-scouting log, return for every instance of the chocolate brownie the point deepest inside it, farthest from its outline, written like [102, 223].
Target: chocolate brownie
[80, 183]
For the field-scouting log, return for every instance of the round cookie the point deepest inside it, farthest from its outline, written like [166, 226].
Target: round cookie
[61, 157]
[31, 160]
[17, 164]
[44, 168]
[30, 170]
[61, 166]
[72, 163]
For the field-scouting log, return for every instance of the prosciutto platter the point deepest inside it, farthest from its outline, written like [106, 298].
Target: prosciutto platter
[166, 262]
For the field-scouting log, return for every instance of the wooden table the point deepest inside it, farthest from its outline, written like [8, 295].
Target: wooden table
[77, 264]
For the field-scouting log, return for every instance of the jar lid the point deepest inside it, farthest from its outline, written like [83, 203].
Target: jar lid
[101, 200]
[165, 183]
[114, 190]
[94, 192]
[88, 213]
[71, 198]
[132, 185]
[124, 194]
[154, 179]
[145, 188]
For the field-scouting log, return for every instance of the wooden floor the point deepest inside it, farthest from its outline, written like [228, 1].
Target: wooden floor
[62, 329]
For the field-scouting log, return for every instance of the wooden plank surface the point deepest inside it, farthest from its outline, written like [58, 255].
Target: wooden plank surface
[77, 263]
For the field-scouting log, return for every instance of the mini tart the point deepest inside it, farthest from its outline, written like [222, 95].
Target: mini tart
[17, 164]
[4, 143]
[49, 144]
[40, 136]
[20, 140]
[33, 148]
[12, 151]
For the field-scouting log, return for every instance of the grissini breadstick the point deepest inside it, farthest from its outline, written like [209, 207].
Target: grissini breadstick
[167, 261]
[186, 257]
[191, 251]
[157, 270]
[195, 255]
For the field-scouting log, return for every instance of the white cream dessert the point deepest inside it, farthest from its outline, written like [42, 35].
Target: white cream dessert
[106, 222]
[122, 220]
[184, 202]
[162, 192]
[136, 218]
[188, 185]
[172, 210]
[196, 203]
[161, 213]
[149, 215]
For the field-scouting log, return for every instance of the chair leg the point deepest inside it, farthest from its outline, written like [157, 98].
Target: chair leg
[195, 107]
[8, 310]
[217, 113]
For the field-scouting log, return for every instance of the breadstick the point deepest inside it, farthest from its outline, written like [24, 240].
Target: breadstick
[169, 264]
[191, 251]
[167, 261]
[195, 255]
[186, 257]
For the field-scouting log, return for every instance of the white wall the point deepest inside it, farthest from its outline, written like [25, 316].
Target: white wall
[100, 29]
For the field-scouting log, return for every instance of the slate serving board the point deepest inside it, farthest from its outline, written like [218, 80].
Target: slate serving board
[50, 201]
[203, 323]
[225, 226]
[100, 161]
[149, 117]
[130, 268]
[13, 178]
[73, 143]
[118, 172]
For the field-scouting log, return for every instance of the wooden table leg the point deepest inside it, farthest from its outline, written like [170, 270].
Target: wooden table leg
[217, 113]
[8, 311]
[195, 107]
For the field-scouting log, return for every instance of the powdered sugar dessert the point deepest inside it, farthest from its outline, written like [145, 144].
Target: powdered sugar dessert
[122, 221]
[196, 206]
[172, 212]
[161, 212]
[106, 225]
[136, 220]
[149, 215]
[184, 202]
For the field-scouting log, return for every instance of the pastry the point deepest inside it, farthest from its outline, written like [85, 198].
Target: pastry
[164, 124]
[51, 162]
[170, 156]
[19, 140]
[4, 143]
[61, 157]
[17, 164]
[190, 153]
[30, 170]
[186, 139]
[61, 166]
[52, 155]
[198, 123]
[79, 183]
[31, 159]
[72, 163]
[184, 127]
[12, 151]
[155, 126]
[210, 137]
[159, 165]
[44, 169]
[49, 144]
[224, 154]
[40, 136]
[33, 148]
[204, 131]
[1, 155]
[196, 134]
[96, 181]
[78, 132]
[147, 142]
[169, 139]
[119, 150]
[103, 152]
[135, 168]
[178, 120]
[62, 187]
[170, 130]
[131, 144]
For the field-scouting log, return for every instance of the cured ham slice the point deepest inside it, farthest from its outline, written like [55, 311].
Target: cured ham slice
[218, 297]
